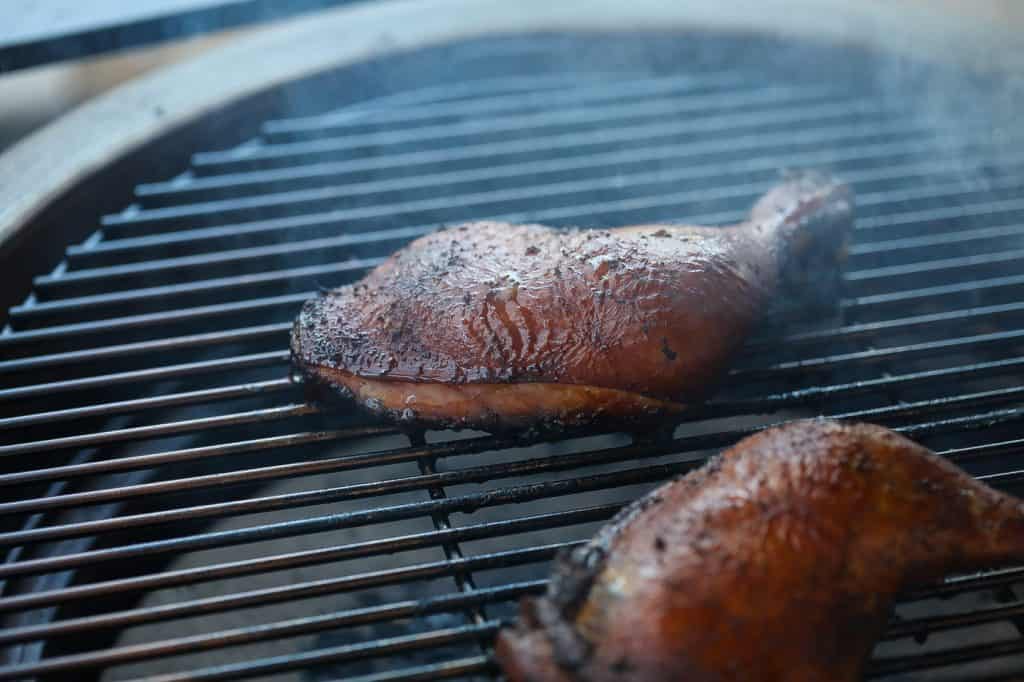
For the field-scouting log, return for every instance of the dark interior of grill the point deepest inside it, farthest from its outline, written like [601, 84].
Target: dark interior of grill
[172, 506]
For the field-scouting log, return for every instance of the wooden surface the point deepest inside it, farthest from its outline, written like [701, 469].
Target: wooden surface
[56, 161]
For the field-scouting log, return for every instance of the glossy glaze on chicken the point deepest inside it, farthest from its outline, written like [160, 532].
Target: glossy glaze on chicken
[776, 562]
[498, 326]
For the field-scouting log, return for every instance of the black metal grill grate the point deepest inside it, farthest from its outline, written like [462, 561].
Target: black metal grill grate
[171, 505]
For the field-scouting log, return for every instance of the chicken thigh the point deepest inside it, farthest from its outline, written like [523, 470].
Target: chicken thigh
[776, 562]
[499, 326]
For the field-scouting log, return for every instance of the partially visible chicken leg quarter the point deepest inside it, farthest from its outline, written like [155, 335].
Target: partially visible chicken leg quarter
[777, 562]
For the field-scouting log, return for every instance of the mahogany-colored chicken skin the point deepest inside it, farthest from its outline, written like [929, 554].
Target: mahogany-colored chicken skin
[777, 561]
[497, 326]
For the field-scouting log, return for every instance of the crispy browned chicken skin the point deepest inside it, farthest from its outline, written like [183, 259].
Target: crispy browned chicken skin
[494, 326]
[778, 561]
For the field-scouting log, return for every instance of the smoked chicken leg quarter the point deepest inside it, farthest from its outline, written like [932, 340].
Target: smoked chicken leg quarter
[776, 562]
[498, 326]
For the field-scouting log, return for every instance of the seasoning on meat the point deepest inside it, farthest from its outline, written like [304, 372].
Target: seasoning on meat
[498, 326]
[776, 562]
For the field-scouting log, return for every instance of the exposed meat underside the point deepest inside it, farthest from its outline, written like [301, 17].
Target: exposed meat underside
[497, 406]
[495, 326]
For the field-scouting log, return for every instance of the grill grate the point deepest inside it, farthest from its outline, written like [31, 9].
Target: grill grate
[170, 505]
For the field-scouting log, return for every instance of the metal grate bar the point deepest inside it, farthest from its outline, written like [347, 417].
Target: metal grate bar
[695, 95]
[293, 500]
[61, 473]
[248, 333]
[972, 287]
[917, 350]
[375, 614]
[957, 584]
[147, 375]
[463, 579]
[141, 347]
[270, 595]
[471, 90]
[965, 422]
[338, 170]
[888, 246]
[458, 667]
[315, 588]
[817, 395]
[586, 92]
[819, 99]
[607, 161]
[357, 267]
[894, 665]
[157, 430]
[931, 215]
[169, 647]
[916, 626]
[135, 321]
[389, 611]
[341, 653]
[149, 294]
[513, 494]
[767, 371]
[264, 203]
[354, 266]
[432, 481]
[68, 279]
[141, 461]
[171, 264]
[735, 122]
[449, 505]
[293, 300]
[985, 450]
[757, 404]
[1003, 478]
[901, 323]
[908, 269]
[633, 135]
[270, 563]
[927, 407]
[939, 190]
[886, 383]
[380, 238]
[208, 395]
[697, 147]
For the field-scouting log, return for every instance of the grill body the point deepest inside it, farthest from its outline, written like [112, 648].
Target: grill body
[172, 505]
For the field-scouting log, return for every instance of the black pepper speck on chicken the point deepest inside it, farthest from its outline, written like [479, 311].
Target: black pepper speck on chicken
[499, 326]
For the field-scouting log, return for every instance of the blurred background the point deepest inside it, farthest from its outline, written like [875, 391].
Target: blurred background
[56, 53]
